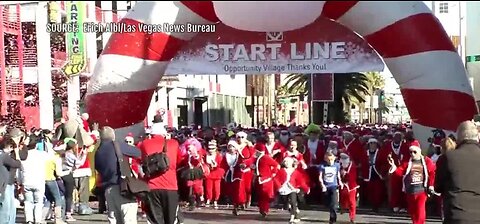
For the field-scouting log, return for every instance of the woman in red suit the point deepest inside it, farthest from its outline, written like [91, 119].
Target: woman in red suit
[348, 194]
[212, 182]
[193, 175]
[289, 182]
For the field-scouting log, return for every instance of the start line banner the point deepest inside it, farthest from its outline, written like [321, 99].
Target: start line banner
[321, 47]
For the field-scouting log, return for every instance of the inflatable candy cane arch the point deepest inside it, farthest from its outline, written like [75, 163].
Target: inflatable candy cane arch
[407, 35]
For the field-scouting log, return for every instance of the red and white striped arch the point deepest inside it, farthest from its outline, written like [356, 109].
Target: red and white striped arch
[407, 35]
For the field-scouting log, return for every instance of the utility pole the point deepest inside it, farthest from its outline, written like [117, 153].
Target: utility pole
[309, 98]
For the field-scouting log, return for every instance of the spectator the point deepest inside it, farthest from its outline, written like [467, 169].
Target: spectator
[7, 188]
[120, 209]
[459, 186]
[163, 197]
[72, 159]
[34, 183]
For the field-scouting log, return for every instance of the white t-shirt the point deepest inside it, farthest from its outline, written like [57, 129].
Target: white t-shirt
[34, 168]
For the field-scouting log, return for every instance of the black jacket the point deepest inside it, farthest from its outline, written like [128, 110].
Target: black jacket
[7, 164]
[458, 179]
[106, 161]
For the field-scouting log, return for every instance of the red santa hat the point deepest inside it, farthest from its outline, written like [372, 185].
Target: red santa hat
[260, 147]
[415, 143]
[129, 137]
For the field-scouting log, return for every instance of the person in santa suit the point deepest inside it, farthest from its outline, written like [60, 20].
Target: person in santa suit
[246, 151]
[213, 181]
[234, 164]
[399, 152]
[84, 118]
[348, 193]
[351, 146]
[293, 152]
[313, 156]
[315, 150]
[289, 183]
[418, 181]
[270, 137]
[193, 171]
[333, 147]
[374, 171]
[281, 145]
[265, 170]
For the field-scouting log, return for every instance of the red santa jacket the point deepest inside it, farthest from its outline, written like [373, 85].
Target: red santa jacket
[233, 171]
[403, 152]
[265, 168]
[247, 153]
[279, 146]
[216, 172]
[428, 171]
[380, 166]
[353, 148]
[319, 153]
[297, 156]
[349, 177]
[296, 180]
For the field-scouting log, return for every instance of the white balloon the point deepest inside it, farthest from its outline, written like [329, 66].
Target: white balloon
[266, 16]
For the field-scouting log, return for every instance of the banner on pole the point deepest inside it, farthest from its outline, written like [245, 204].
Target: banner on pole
[322, 87]
[75, 41]
[321, 47]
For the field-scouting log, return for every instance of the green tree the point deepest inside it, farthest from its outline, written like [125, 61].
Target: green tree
[348, 87]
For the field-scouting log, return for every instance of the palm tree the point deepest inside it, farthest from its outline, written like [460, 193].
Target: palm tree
[375, 82]
[348, 87]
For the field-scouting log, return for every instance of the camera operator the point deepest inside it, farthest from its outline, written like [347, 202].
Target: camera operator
[44, 140]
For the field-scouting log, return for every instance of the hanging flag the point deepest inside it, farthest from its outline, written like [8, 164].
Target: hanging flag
[75, 41]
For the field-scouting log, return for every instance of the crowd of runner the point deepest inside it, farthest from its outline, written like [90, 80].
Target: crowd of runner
[295, 167]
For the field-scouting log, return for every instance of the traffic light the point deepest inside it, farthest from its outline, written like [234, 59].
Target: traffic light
[381, 98]
[381, 95]
[396, 106]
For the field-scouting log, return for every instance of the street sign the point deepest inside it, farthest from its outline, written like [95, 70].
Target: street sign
[473, 58]
[284, 100]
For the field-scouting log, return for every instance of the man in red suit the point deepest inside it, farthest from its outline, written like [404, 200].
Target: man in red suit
[348, 194]
[351, 146]
[265, 169]
[234, 164]
[398, 150]
[281, 145]
[313, 156]
[246, 152]
[213, 181]
[418, 175]
[374, 171]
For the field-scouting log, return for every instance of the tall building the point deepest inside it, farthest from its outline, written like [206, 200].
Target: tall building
[184, 99]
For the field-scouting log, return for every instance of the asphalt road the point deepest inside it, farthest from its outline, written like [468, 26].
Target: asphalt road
[251, 216]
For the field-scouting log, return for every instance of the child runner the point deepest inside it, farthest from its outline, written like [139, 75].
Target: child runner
[330, 182]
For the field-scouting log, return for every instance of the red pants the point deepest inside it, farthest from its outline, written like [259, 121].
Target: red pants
[212, 191]
[236, 192]
[247, 181]
[416, 207]
[348, 199]
[376, 192]
[197, 187]
[397, 196]
[265, 196]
